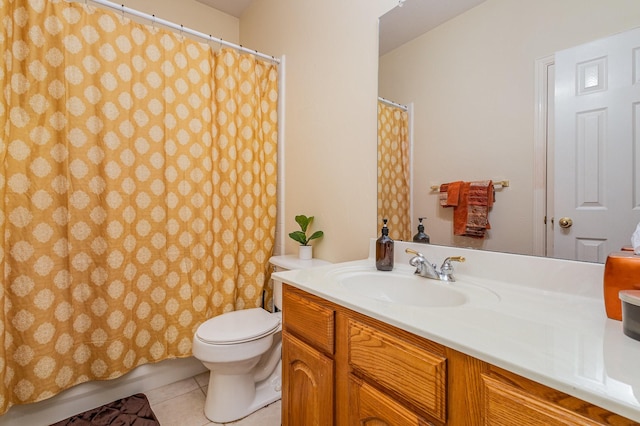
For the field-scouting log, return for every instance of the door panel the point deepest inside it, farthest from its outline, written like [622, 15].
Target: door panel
[597, 93]
[307, 377]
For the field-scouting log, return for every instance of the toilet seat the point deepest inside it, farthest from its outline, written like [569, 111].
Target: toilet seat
[238, 327]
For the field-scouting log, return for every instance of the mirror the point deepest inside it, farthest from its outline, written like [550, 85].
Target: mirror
[471, 83]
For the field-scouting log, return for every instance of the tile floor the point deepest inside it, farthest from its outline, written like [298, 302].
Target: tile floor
[181, 404]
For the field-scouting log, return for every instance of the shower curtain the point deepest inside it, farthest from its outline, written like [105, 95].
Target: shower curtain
[138, 192]
[394, 192]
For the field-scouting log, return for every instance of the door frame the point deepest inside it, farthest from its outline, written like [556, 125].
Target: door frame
[542, 181]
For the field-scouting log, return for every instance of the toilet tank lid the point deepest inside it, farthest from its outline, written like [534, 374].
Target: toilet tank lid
[238, 326]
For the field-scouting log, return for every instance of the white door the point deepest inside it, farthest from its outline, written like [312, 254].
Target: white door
[597, 147]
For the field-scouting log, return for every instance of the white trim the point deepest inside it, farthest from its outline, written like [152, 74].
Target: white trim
[540, 155]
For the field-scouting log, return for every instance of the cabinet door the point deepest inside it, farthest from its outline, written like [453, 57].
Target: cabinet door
[370, 407]
[307, 392]
[513, 400]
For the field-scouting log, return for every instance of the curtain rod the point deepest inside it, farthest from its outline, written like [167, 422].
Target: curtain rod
[181, 28]
[387, 101]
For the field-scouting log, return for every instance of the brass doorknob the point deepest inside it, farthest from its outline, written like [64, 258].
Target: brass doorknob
[565, 222]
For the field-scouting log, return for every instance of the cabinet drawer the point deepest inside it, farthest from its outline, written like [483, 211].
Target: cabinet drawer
[405, 370]
[369, 406]
[311, 321]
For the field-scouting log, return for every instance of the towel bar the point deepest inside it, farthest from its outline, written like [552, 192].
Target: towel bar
[496, 183]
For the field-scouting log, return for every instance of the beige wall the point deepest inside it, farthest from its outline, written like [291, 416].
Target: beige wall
[331, 53]
[472, 84]
[191, 14]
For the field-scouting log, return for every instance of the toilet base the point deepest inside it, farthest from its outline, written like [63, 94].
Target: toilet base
[246, 398]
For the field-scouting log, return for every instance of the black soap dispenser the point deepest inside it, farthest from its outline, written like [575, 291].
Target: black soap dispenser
[421, 237]
[384, 250]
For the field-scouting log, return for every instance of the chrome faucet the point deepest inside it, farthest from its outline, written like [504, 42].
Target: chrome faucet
[426, 269]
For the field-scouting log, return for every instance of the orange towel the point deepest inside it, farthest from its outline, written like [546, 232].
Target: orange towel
[442, 197]
[480, 199]
[461, 210]
[482, 193]
[450, 194]
[471, 202]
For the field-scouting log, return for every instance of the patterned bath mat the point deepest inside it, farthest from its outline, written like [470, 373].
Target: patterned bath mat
[131, 411]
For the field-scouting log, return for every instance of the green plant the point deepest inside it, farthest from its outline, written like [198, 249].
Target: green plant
[301, 236]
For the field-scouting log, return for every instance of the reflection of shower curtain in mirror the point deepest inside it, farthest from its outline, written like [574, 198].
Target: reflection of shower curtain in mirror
[394, 171]
[137, 192]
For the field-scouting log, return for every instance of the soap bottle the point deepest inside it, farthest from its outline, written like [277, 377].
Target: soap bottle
[421, 237]
[384, 250]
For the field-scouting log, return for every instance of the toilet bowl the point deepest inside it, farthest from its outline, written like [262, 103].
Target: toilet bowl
[242, 349]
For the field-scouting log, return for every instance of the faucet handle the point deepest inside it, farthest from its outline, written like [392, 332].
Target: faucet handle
[446, 270]
[446, 265]
[411, 251]
[418, 261]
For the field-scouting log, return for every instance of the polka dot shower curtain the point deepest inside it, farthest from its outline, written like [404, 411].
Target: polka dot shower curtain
[137, 180]
[394, 171]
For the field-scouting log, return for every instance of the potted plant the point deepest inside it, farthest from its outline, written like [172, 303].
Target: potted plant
[306, 251]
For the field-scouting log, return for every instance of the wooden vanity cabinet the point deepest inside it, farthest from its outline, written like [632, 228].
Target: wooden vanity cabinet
[344, 368]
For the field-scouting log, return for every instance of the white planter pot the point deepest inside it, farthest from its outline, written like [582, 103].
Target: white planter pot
[305, 252]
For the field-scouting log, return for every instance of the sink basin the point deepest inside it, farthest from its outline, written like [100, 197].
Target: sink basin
[403, 287]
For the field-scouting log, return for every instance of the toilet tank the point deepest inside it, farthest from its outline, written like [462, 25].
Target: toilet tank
[288, 263]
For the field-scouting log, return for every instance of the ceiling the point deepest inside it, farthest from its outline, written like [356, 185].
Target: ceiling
[397, 26]
[415, 17]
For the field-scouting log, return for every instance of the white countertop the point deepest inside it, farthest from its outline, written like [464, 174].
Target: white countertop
[555, 333]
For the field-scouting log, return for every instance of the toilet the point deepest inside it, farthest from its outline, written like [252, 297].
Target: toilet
[242, 349]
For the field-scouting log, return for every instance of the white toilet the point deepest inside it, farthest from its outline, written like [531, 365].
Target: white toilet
[242, 349]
